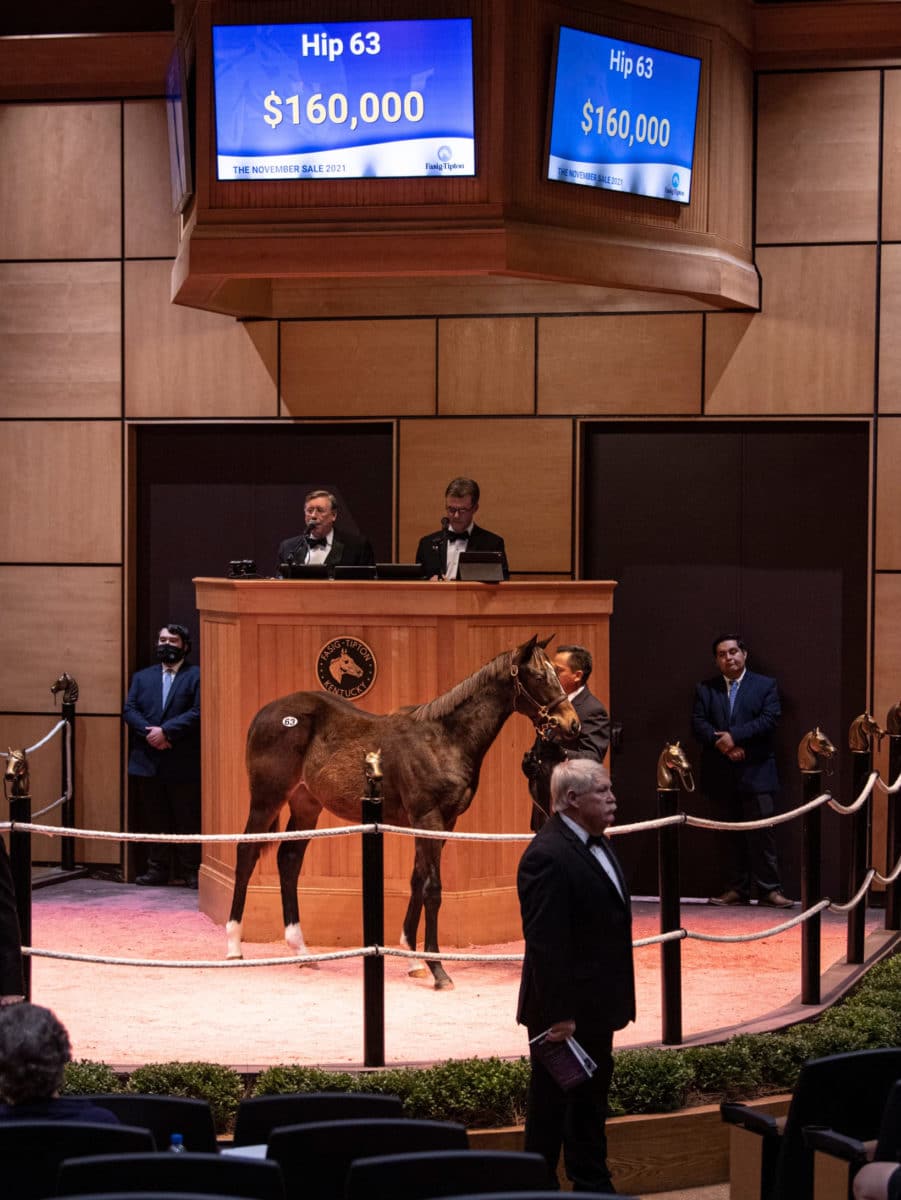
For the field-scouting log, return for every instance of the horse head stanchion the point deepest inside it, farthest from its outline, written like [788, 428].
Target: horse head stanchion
[672, 764]
[673, 759]
[372, 883]
[861, 733]
[68, 686]
[893, 832]
[814, 751]
[16, 777]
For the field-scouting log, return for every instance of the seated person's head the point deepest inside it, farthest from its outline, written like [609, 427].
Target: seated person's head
[34, 1050]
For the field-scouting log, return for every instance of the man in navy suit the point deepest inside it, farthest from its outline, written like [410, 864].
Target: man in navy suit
[734, 717]
[577, 973]
[439, 552]
[319, 543]
[162, 712]
[573, 665]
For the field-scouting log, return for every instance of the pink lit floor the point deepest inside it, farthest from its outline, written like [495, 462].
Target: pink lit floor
[260, 1016]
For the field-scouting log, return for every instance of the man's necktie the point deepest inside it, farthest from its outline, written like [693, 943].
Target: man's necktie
[168, 677]
[317, 543]
[458, 537]
[733, 689]
[597, 839]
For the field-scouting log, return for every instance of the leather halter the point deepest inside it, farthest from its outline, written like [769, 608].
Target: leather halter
[542, 718]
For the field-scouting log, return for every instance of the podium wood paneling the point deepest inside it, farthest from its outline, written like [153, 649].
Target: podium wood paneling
[261, 640]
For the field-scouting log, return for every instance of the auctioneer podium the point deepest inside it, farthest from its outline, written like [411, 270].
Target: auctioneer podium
[261, 639]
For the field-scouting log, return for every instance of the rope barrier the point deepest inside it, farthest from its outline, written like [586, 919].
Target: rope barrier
[44, 740]
[48, 807]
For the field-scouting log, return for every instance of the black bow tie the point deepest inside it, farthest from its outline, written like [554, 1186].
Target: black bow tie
[458, 537]
[317, 543]
[596, 839]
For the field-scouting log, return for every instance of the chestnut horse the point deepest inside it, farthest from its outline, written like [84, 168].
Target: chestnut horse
[308, 751]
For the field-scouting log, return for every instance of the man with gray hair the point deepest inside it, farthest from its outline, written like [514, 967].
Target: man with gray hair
[320, 542]
[34, 1050]
[577, 974]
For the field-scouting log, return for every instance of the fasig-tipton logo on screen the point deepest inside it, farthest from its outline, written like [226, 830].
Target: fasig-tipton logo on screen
[373, 99]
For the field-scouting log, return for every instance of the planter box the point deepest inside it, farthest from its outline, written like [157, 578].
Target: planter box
[657, 1153]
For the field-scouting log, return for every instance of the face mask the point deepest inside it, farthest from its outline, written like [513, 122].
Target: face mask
[167, 653]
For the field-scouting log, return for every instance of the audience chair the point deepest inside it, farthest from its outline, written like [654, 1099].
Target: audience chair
[315, 1158]
[837, 1157]
[259, 1115]
[845, 1092]
[31, 1151]
[205, 1174]
[433, 1173]
[167, 1195]
[165, 1115]
[545, 1195]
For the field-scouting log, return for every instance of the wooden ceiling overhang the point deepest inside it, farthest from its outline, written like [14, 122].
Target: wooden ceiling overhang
[505, 240]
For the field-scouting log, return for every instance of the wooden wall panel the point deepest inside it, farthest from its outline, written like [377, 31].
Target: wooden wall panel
[97, 781]
[631, 365]
[524, 469]
[888, 496]
[63, 501]
[60, 339]
[60, 184]
[891, 157]
[487, 367]
[811, 350]
[358, 368]
[818, 157]
[151, 229]
[890, 331]
[183, 362]
[731, 142]
[61, 619]
[887, 657]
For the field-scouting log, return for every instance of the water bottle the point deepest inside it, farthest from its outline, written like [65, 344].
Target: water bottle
[176, 1143]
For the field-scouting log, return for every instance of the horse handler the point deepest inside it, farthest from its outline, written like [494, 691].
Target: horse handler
[577, 976]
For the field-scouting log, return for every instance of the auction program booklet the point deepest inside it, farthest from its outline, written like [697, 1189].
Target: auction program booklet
[566, 1060]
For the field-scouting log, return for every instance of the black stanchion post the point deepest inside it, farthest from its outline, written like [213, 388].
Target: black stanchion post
[670, 918]
[858, 851]
[373, 887]
[20, 853]
[811, 889]
[893, 832]
[67, 851]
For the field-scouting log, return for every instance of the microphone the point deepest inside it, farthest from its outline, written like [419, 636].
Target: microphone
[311, 528]
[445, 522]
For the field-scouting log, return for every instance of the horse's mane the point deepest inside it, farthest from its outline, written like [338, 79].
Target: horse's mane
[441, 706]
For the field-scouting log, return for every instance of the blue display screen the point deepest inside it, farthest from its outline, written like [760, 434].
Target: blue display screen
[344, 100]
[623, 116]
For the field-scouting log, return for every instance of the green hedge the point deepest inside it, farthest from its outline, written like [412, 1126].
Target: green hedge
[492, 1092]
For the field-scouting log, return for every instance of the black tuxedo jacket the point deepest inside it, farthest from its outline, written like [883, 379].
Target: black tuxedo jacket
[348, 550]
[431, 553]
[594, 734]
[578, 932]
[755, 715]
[180, 721]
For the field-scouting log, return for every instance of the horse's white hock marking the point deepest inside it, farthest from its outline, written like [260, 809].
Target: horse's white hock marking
[233, 939]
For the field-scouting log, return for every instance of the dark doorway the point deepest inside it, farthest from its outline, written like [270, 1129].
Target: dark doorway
[756, 528]
[209, 494]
